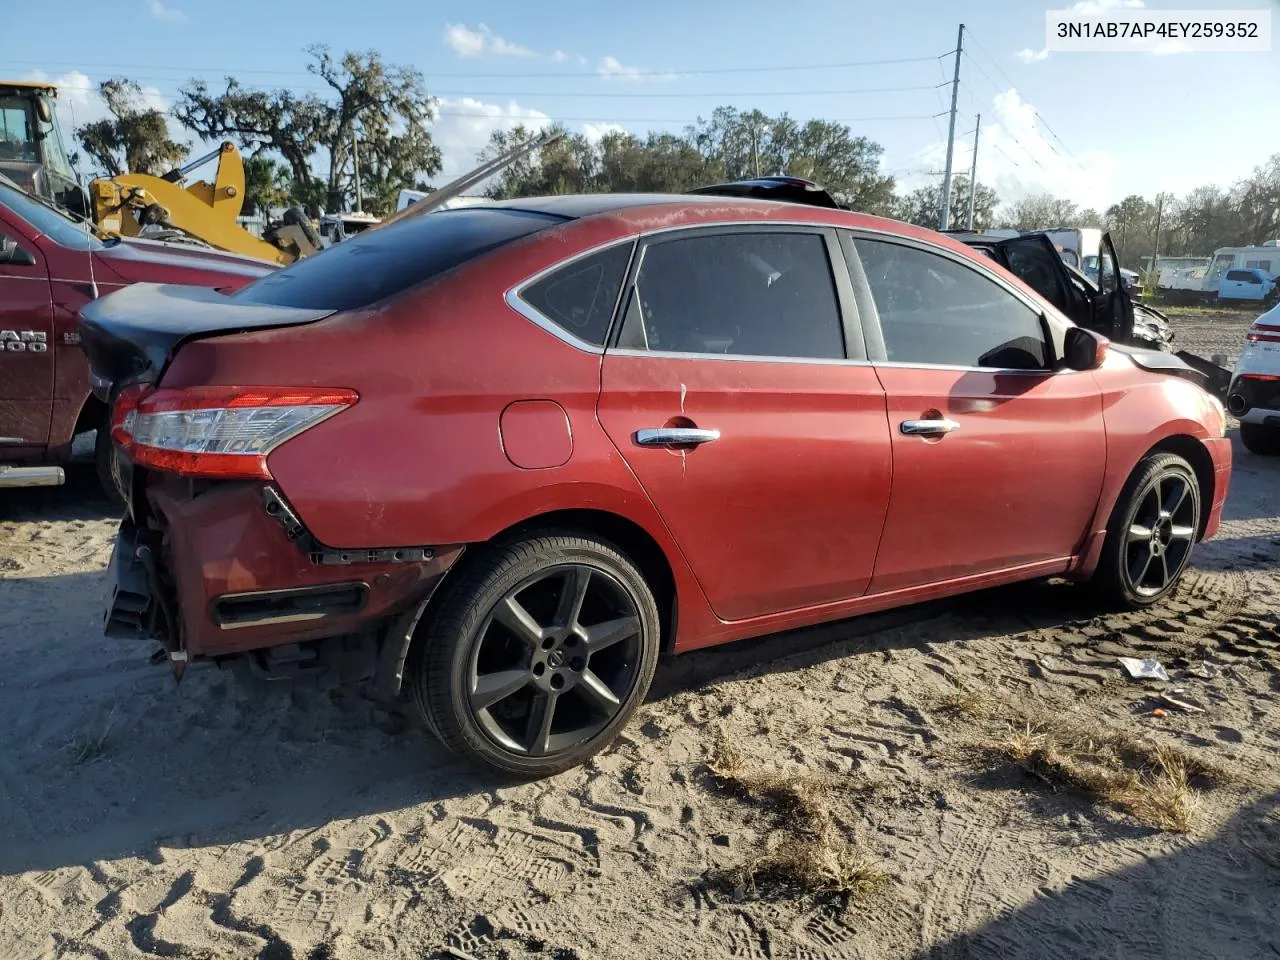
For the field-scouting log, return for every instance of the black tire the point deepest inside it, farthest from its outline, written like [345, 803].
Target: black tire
[601, 687]
[1130, 570]
[1260, 439]
[297, 217]
[104, 457]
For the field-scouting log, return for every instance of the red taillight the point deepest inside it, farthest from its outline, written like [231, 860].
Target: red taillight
[1259, 376]
[123, 411]
[223, 432]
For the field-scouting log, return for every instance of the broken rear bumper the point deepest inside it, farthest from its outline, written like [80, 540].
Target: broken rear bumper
[215, 574]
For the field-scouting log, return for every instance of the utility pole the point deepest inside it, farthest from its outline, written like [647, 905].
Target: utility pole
[355, 162]
[945, 218]
[1155, 254]
[755, 147]
[973, 172]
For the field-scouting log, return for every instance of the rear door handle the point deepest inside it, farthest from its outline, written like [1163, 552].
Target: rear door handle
[927, 428]
[672, 436]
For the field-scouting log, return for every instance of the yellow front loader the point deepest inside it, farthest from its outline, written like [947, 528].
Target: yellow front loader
[205, 210]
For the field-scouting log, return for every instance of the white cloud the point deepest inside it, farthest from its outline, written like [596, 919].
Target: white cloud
[1017, 159]
[505, 48]
[582, 61]
[161, 12]
[472, 43]
[1027, 55]
[595, 132]
[559, 56]
[1166, 47]
[463, 127]
[611, 68]
[465, 43]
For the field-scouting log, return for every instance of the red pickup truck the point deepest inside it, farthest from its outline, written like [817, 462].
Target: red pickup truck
[50, 266]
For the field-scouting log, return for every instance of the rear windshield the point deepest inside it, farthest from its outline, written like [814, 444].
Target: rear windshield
[382, 262]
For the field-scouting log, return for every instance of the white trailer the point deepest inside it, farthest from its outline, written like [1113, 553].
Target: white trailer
[1078, 246]
[1201, 282]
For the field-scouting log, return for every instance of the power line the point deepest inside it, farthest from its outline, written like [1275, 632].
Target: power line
[172, 82]
[620, 120]
[628, 74]
[995, 63]
[1005, 127]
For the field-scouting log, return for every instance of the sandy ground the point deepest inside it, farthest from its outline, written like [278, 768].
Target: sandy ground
[140, 818]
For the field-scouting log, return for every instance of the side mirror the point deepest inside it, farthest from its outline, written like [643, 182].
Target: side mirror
[1083, 349]
[43, 110]
[13, 255]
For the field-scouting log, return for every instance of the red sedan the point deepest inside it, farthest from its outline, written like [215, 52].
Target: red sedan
[510, 454]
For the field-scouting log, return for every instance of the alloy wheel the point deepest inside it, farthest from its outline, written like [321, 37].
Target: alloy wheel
[1160, 534]
[554, 660]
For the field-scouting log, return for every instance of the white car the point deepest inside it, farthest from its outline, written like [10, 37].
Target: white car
[1254, 394]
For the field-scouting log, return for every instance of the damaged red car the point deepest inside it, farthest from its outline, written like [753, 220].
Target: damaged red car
[505, 456]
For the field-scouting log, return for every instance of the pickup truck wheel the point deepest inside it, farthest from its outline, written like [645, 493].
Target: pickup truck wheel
[104, 455]
[1152, 530]
[1260, 439]
[538, 654]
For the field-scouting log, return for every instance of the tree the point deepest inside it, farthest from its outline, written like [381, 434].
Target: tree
[386, 107]
[1041, 211]
[1132, 225]
[134, 139]
[266, 184]
[922, 205]
[729, 146]
[738, 145]
[1258, 201]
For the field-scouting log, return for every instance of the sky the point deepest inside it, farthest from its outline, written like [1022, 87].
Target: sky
[1093, 127]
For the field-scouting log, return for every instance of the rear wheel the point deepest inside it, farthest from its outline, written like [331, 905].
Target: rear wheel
[1152, 530]
[1260, 439]
[108, 466]
[538, 654]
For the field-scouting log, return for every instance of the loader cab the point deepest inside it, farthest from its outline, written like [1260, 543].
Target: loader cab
[32, 153]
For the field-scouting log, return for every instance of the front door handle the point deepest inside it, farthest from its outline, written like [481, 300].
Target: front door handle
[675, 436]
[927, 428]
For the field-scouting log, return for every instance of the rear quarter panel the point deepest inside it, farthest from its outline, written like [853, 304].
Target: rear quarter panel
[420, 459]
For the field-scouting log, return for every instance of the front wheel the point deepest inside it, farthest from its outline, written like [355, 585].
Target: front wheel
[1260, 439]
[537, 654]
[1151, 532]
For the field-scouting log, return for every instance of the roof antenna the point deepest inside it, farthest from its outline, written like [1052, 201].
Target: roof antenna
[88, 247]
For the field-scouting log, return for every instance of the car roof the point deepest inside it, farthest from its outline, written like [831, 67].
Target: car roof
[644, 211]
[574, 206]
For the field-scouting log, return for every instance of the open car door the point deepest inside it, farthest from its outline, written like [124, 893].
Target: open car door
[1033, 259]
[1114, 309]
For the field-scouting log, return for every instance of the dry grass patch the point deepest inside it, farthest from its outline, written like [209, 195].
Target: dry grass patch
[966, 703]
[809, 852]
[1154, 783]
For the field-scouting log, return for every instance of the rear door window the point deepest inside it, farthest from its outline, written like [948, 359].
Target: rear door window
[379, 263]
[759, 293]
[580, 297]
